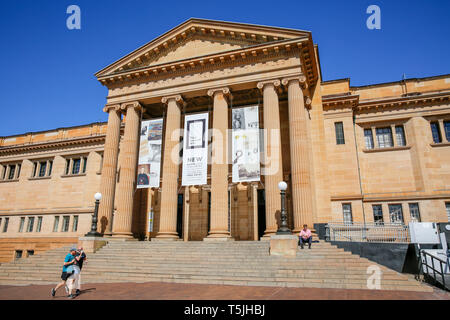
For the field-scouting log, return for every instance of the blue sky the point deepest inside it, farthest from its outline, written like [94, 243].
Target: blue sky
[47, 71]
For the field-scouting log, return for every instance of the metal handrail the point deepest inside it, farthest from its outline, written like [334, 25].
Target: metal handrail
[367, 232]
[424, 261]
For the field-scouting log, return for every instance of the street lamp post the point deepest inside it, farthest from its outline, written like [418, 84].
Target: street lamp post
[93, 232]
[284, 229]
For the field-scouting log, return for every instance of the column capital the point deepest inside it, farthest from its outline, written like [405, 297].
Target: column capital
[136, 105]
[301, 80]
[223, 90]
[177, 97]
[108, 108]
[274, 82]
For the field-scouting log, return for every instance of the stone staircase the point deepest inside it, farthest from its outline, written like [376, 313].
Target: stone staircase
[229, 263]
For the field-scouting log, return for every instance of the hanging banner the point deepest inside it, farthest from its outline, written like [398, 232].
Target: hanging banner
[149, 166]
[245, 144]
[195, 150]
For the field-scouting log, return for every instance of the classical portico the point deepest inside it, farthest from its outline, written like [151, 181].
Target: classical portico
[210, 67]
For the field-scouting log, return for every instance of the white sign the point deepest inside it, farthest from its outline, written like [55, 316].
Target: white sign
[245, 144]
[149, 167]
[195, 150]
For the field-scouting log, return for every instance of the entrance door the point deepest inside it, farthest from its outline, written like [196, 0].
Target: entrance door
[261, 212]
[180, 215]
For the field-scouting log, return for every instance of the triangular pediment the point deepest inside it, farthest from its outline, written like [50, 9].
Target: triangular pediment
[198, 38]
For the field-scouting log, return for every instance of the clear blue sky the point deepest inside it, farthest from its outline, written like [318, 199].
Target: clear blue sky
[47, 71]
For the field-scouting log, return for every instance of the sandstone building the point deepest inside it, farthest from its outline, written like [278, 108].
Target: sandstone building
[375, 153]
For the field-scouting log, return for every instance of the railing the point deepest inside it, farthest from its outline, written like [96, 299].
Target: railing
[440, 267]
[367, 232]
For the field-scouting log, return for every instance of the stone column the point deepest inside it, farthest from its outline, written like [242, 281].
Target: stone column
[300, 139]
[109, 170]
[219, 167]
[273, 166]
[169, 194]
[127, 187]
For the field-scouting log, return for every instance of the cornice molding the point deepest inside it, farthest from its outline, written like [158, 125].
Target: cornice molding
[234, 57]
[99, 139]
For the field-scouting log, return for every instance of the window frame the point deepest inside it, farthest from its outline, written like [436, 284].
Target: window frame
[382, 143]
[414, 219]
[65, 226]
[395, 221]
[21, 224]
[339, 132]
[38, 164]
[55, 223]
[402, 142]
[344, 213]
[435, 124]
[380, 219]
[30, 224]
[366, 139]
[5, 225]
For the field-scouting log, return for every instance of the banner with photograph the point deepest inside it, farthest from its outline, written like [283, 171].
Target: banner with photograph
[149, 166]
[195, 149]
[245, 144]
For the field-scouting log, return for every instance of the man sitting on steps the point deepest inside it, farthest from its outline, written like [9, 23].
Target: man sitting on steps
[305, 236]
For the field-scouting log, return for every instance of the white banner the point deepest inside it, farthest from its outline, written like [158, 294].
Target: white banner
[149, 167]
[245, 144]
[195, 149]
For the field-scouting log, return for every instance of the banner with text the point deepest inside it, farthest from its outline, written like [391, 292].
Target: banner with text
[245, 144]
[195, 150]
[149, 167]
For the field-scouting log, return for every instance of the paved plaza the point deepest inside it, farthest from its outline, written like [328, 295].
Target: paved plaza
[176, 291]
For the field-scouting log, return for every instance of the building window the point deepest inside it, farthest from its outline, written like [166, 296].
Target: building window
[66, 221]
[347, 213]
[368, 138]
[22, 222]
[377, 214]
[18, 254]
[339, 129]
[436, 132]
[5, 225]
[384, 137]
[30, 253]
[56, 224]
[42, 168]
[10, 171]
[30, 224]
[400, 135]
[414, 212]
[447, 130]
[67, 166]
[39, 224]
[396, 213]
[75, 166]
[75, 224]
[447, 208]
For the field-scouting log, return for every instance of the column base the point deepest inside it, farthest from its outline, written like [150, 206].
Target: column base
[166, 239]
[166, 236]
[217, 238]
[122, 235]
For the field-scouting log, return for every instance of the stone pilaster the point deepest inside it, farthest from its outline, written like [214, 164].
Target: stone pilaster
[273, 166]
[169, 194]
[300, 158]
[109, 170]
[219, 167]
[123, 218]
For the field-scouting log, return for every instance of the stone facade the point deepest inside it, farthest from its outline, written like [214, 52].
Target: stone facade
[338, 145]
